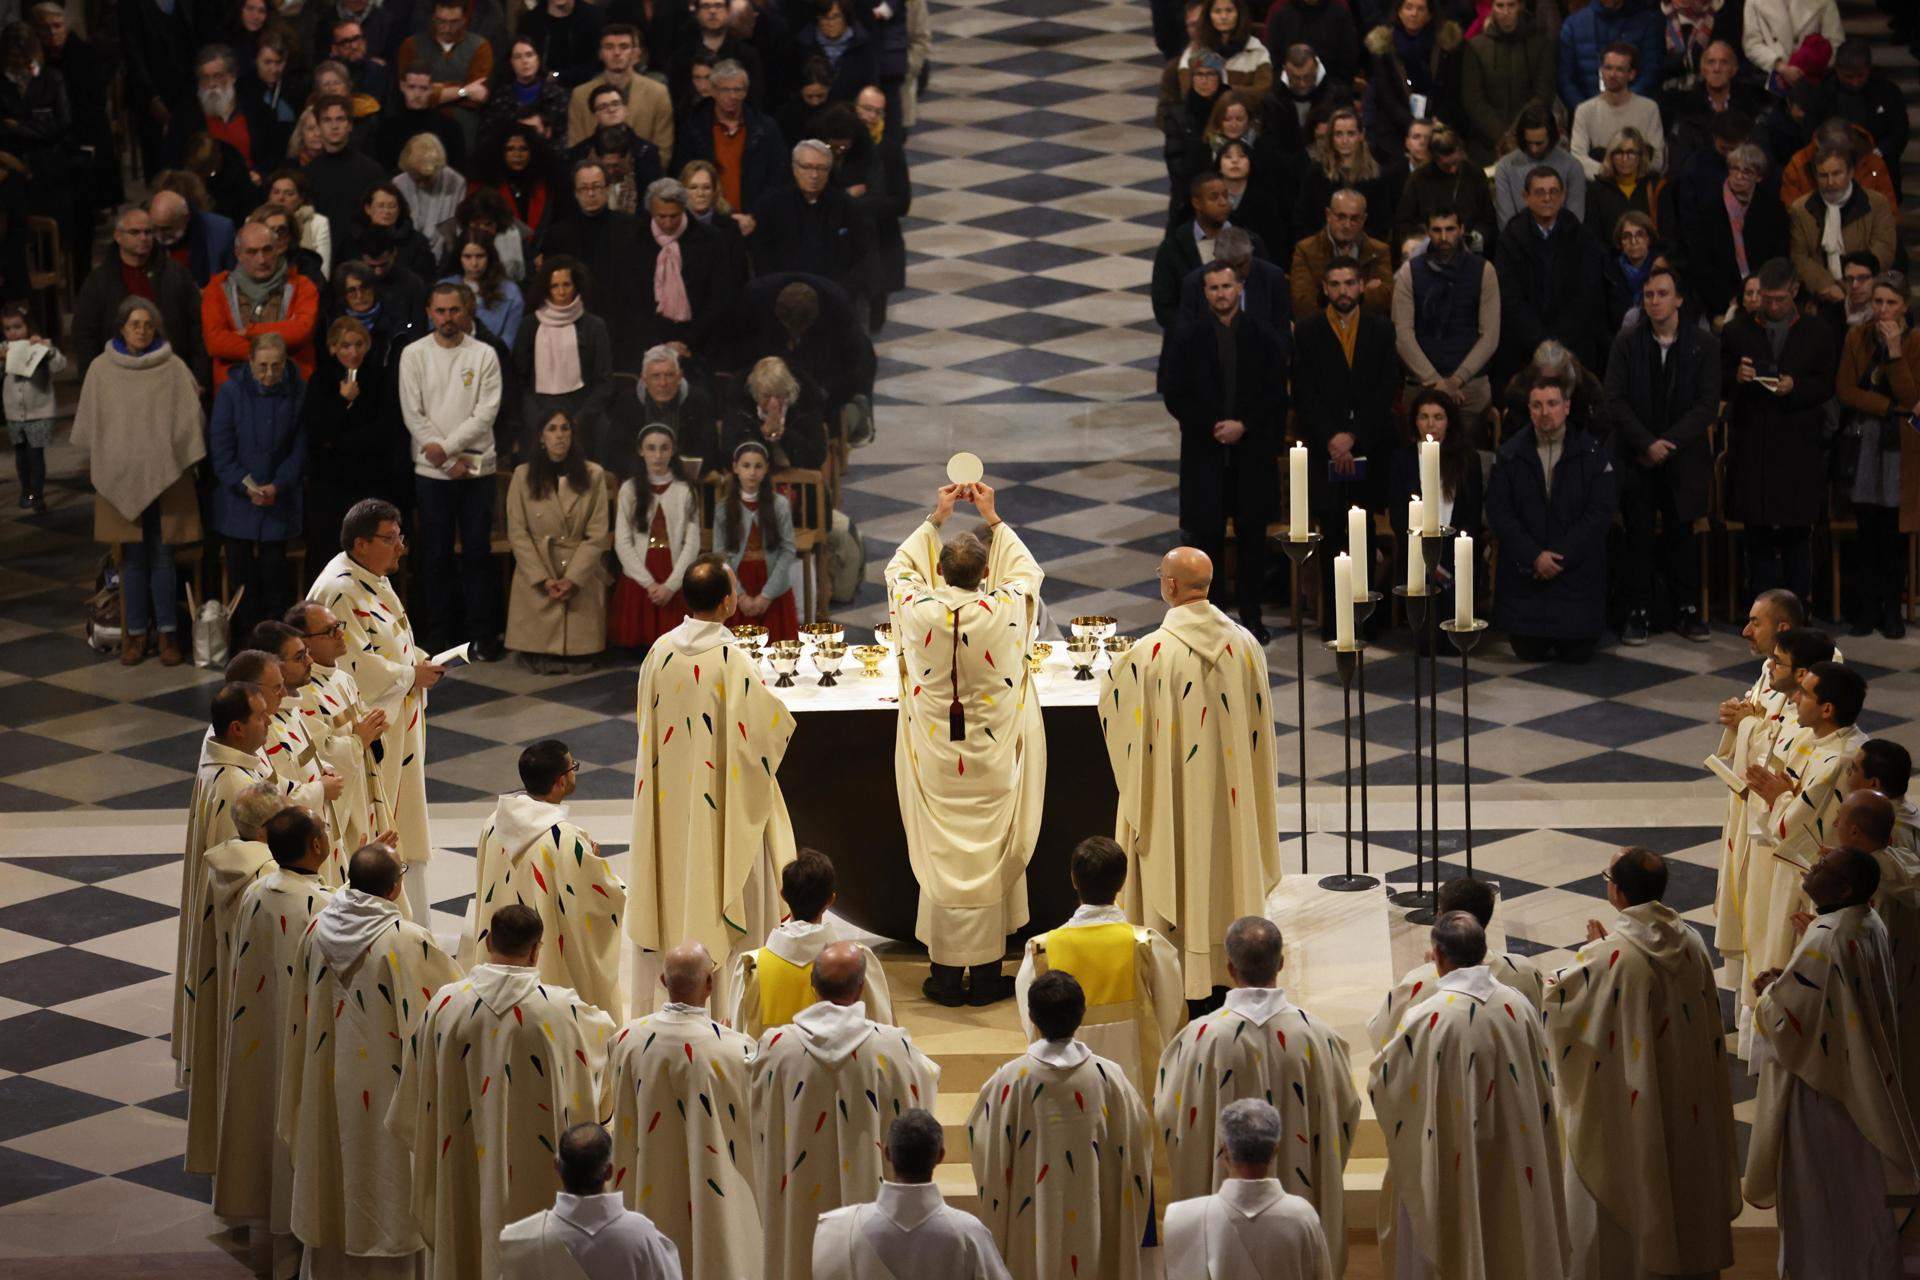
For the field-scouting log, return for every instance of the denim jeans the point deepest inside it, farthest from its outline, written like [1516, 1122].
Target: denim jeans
[461, 598]
[148, 587]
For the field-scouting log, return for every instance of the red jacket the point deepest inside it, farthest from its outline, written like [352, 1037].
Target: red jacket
[228, 341]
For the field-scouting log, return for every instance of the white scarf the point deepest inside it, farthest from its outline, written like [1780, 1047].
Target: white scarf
[1831, 242]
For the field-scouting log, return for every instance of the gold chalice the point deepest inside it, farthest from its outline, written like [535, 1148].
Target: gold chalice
[785, 657]
[1117, 647]
[871, 656]
[827, 658]
[1081, 654]
[819, 633]
[751, 635]
[1037, 656]
[1093, 626]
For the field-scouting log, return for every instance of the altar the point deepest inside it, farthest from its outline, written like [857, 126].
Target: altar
[838, 781]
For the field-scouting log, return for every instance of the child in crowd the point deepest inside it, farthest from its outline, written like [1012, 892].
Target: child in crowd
[1131, 975]
[753, 529]
[656, 535]
[29, 403]
[772, 984]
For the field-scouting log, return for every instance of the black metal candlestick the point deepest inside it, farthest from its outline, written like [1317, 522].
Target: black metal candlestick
[1363, 607]
[1465, 637]
[1348, 662]
[1431, 547]
[1420, 896]
[1299, 551]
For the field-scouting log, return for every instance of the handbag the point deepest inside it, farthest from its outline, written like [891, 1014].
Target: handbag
[212, 620]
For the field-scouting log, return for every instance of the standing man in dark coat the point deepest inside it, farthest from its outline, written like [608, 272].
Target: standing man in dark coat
[1663, 389]
[136, 264]
[812, 227]
[158, 47]
[1778, 377]
[1552, 278]
[1180, 251]
[1226, 385]
[1550, 502]
[1346, 377]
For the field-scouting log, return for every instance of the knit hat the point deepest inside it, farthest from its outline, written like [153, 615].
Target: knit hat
[1210, 61]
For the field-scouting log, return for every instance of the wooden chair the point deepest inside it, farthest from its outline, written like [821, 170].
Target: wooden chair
[806, 491]
[1840, 520]
[51, 292]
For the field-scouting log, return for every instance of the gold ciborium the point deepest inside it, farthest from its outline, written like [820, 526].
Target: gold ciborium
[1093, 626]
[827, 657]
[752, 636]
[819, 633]
[1037, 656]
[871, 656]
[785, 657]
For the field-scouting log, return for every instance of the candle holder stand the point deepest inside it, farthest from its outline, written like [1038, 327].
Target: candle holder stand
[1348, 662]
[1466, 637]
[1299, 551]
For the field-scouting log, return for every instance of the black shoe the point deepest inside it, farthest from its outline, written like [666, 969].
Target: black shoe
[943, 986]
[986, 985]
[1860, 628]
[1690, 626]
[1893, 624]
[1260, 634]
[1634, 631]
[488, 650]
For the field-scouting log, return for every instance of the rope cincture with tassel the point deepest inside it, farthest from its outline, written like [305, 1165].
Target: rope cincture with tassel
[956, 714]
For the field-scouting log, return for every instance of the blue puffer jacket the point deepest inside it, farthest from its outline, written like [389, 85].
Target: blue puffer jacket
[256, 432]
[1586, 35]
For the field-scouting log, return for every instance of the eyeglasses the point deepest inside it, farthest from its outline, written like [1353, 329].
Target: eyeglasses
[337, 629]
[391, 539]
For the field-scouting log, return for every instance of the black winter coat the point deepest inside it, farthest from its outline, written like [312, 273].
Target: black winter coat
[1196, 396]
[1551, 286]
[1329, 397]
[1776, 450]
[1692, 403]
[1573, 522]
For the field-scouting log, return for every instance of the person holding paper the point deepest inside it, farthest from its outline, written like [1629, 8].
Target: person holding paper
[1550, 501]
[1344, 383]
[1224, 380]
[393, 676]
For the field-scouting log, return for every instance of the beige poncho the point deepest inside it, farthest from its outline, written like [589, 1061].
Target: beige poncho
[139, 420]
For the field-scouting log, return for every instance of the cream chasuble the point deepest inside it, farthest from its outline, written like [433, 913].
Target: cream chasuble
[1189, 736]
[380, 657]
[489, 1080]
[223, 774]
[1131, 979]
[971, 808]
[1646, 1103]
[1898, 907]
[907, 1233]
[229, 869]
[1906, 824]
[296, 762]
[586, 1238]
[682, 1142]
[330, 705]
[1831, 1100]
[366, 974]
[1062, 1150]
[772, 984]
[1788, 840]
[253, 1176]
[1262, 1045]
[531, 855]
[1504, 967]
[1745, 744]
[1248, 1230]
[1464, 1095]
[825, 1088]
[710, 829]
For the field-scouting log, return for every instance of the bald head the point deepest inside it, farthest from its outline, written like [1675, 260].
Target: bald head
[687, 973]
[840, 974]
[1185, 575]
[1865, 821]
[168, 206]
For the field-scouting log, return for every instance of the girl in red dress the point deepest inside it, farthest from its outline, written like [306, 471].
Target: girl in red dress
[753, 529]
[656, 535]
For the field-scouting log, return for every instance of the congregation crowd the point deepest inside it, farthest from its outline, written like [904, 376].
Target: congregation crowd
[1637, 266]
[559, 280]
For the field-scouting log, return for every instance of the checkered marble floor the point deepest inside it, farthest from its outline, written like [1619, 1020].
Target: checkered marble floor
[1026, 336]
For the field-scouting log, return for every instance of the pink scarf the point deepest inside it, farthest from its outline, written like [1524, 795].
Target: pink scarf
[1737, 220]
[669, 290]
[556, 349]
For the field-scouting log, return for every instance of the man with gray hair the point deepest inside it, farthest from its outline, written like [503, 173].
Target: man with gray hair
[814, 227]
[218, 110]
[670, 399]
[1259, 1045]
[1252, 1226]
[1464, 1095]
[167, 282]
[908, 1228]
[743, 145]
[262, 294]
[828, 1058]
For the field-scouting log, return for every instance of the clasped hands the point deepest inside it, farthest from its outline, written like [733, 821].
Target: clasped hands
[1766, 783]
[437, 456]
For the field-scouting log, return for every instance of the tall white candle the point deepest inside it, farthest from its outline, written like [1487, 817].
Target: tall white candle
[1360, 547]
[1297, 492]
[1463, 581]
[1430, 482]
[1343, 600]
[1416, 557]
